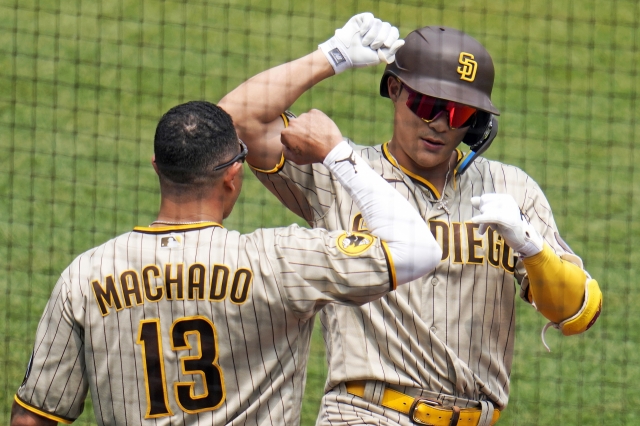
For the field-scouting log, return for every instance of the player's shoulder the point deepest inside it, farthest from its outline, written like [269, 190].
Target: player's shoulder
[293, 234]
[366, 151]
[90, 260]
[488, 176]
[97, 253]
[482, 163]
[378, 158]
[263, 234]
[498, 173]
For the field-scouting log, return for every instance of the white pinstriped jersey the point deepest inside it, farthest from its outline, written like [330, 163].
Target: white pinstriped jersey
[450, 332]
[194, 324]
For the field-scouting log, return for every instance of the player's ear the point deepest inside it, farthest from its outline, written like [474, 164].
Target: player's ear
[153, 163]
[394, 86]
[233, 176]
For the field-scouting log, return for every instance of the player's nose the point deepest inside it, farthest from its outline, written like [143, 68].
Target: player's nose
[440, 124]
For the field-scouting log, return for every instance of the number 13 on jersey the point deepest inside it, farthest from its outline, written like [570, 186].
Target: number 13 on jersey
[204, 363]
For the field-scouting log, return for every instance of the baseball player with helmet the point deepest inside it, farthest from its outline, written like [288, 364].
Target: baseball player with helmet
[439, 350]
[186, 322]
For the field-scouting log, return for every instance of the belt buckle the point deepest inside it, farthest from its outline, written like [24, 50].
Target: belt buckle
[421, 400]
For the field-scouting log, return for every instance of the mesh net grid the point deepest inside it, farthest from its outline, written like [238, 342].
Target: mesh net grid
[84, 83]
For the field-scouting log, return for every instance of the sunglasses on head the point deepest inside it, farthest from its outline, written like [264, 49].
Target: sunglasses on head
[429, 108]
[240, 157]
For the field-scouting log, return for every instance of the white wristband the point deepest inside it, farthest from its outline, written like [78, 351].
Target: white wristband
[338, 59]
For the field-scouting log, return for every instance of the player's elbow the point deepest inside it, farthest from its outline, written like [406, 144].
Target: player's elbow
[417, 259]
[22, 417]
[427, 256]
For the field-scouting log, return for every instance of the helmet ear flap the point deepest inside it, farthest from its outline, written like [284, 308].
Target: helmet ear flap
[477, 129]
[479, 138]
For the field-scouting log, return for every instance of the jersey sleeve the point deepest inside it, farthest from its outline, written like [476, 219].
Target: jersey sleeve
[315, 267]
[308, 190]
[55, 384]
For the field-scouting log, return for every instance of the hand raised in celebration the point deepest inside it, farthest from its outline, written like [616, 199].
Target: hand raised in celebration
[310, 137]
[364, 40]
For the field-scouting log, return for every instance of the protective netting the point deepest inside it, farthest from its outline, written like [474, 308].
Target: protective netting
[83, 84]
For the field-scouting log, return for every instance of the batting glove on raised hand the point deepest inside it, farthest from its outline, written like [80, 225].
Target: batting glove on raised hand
[363, 41]
[501, 212]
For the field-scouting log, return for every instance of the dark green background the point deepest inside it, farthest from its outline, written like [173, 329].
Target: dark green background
[83, 84]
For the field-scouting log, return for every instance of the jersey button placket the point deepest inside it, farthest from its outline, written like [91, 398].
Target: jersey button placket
[434, 282]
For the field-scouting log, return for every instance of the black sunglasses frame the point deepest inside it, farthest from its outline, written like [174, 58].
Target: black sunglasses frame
[240, 157]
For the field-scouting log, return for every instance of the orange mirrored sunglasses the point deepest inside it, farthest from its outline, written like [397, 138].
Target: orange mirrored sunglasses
[429, 108]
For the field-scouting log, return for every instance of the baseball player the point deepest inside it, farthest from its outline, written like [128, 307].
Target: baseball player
[439, 350]
[186, 322]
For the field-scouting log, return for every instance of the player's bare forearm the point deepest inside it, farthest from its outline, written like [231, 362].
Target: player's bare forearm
[256, 105]
[23, 417]
[263, 97]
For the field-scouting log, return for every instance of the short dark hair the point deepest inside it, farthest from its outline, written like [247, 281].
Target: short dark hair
[191, 139]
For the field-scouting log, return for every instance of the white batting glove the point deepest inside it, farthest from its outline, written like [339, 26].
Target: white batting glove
[363, 41]
[501, 212]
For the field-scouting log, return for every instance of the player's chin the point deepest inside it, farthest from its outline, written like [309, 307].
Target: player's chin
[428, 159]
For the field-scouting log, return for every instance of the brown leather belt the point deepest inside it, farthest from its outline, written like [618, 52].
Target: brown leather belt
[425, 411]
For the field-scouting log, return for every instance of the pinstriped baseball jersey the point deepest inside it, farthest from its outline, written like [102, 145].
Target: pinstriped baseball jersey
[450, 332]
[195, 324]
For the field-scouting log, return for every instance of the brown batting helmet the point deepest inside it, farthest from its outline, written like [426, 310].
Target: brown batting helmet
[444, 63]
[448, 64]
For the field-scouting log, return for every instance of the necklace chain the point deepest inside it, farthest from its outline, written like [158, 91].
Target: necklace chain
[441, 203]
[165, 222]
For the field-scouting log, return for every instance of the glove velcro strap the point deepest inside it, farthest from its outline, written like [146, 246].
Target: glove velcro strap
[336, 55]
[588, 314]
[532, 242]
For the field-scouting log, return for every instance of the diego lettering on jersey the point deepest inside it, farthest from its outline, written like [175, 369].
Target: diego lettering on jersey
[461, 243]
[171, 282]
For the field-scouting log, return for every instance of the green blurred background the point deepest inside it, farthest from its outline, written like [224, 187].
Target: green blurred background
[83, 84]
